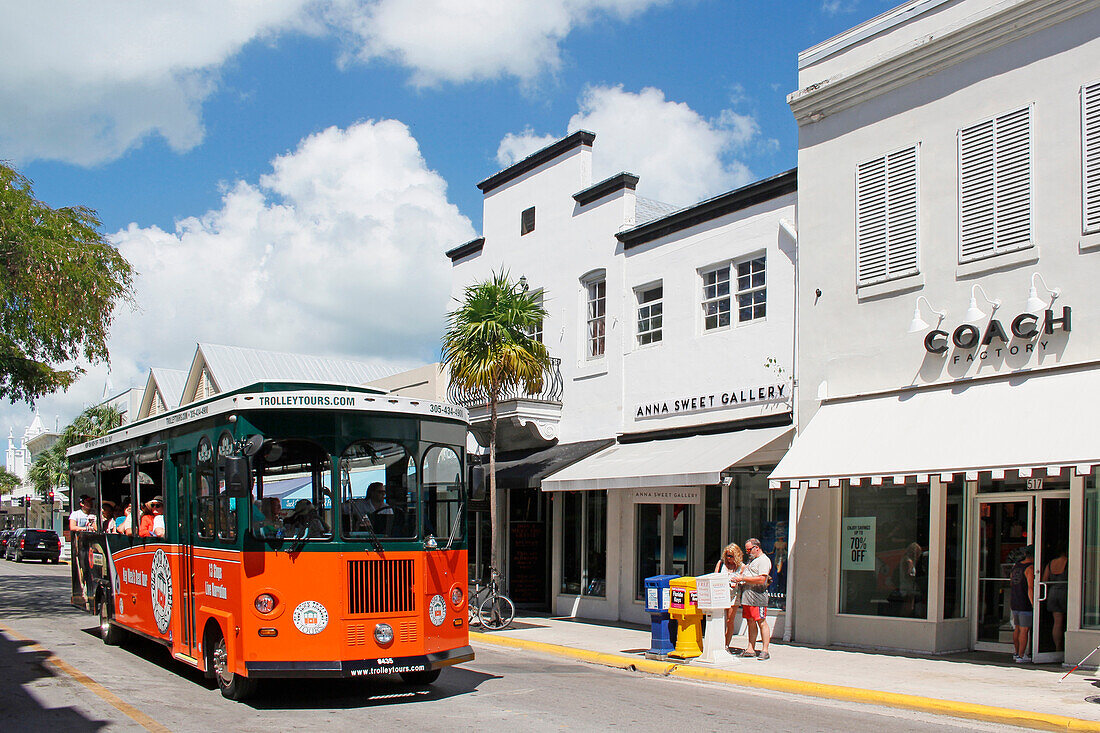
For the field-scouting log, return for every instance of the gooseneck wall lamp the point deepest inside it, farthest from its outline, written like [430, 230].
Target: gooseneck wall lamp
[1034, 305]
[974, 313]
[918, 324]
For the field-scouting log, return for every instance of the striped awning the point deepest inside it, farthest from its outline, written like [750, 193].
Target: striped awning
[1032, 424]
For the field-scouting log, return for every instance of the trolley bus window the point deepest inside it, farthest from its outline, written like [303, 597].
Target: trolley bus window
[291, 496]
[114, 489]
[443, 493]
[151, 505]
[377, 491]
[204, 501]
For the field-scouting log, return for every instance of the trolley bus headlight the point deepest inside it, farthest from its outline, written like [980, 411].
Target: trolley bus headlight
[456, 597]
[383, 634]
[265, 603]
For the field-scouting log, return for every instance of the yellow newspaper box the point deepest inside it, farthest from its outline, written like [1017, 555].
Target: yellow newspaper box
[683, 606]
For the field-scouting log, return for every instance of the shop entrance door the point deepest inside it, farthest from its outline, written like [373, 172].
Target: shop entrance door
[1006, 525]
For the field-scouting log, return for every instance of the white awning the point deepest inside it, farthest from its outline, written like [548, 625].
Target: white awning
[1041, 423]
[695, 461]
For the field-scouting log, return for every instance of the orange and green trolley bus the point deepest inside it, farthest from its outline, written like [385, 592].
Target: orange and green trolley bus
[282, 530]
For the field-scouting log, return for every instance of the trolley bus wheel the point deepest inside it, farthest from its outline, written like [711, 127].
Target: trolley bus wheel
[111, 634]
[420, 678]
[231, 684]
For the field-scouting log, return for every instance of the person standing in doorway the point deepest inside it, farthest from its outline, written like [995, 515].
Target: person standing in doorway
[1056, 576]
[1022, 599]
[753, 582]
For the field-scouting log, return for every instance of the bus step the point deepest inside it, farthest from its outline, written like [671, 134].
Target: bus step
[184, 658]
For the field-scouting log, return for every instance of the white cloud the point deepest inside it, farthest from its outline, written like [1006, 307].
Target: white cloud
[85, 82]
[447, 41]
[837, 7]
[338, 250]
[515, 147]
[680, 156]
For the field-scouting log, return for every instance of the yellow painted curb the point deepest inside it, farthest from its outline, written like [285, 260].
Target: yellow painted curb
[970, 711]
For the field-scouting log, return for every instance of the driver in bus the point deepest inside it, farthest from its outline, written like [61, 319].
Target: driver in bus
[376, 499]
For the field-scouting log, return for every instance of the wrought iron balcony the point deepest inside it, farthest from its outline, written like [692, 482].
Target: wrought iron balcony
[524, 420]
[552, 387]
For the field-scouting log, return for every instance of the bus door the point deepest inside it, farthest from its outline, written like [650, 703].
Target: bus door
[185, 512]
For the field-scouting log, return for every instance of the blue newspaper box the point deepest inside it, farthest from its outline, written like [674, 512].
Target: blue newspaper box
[662, 630]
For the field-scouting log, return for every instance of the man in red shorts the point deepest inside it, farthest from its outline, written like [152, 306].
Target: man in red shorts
[754, 598]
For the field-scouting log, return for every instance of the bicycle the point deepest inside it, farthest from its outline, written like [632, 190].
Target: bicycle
[490, 608]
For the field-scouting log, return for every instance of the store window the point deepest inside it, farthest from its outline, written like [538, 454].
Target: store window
[954, 592]
[663, 536]
[716, 298]
[584, 543]
[884, 550]
[757, 511]
[752, 291]
[1090, 590]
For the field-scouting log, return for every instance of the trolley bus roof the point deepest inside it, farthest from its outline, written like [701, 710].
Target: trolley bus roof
[296, 395]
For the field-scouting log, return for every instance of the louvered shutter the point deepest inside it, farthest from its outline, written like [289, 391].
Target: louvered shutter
[886, 217]
[1090, 149]
[995, 186]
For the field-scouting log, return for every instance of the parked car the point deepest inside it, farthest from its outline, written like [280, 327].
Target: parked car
[34, 544]
[4, 535]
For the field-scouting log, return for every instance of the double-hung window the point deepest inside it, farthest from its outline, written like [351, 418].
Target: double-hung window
[995, 186]
[716, 298]
[886, 217]
[596, 292]
[650, 313]
[1090, 151]
[752, 289]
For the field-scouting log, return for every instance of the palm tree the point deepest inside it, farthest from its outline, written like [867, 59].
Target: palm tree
[489, 349]
[50, 469]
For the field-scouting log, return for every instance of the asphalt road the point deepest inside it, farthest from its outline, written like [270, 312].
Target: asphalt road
[55, 674]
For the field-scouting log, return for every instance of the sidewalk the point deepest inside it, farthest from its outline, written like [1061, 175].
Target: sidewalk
[970, 685]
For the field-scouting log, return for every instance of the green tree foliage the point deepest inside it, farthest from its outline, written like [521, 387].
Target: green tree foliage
[488, 349]
[59, 285]
[9, 482]
[51, 468]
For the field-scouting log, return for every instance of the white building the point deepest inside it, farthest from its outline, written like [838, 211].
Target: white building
[949, 214]
[670, 398]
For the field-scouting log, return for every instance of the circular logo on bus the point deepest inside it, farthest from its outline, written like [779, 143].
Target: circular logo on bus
[160, 589]
[437, 610]
[310, 617]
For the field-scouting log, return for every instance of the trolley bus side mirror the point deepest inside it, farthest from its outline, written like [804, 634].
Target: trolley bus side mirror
[253, 444]
[237, 481]
[477, 483]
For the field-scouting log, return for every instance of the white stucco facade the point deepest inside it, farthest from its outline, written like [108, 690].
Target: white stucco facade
[731, 377]
[928, 77]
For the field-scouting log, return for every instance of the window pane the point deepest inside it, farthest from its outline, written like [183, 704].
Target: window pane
[292, 496]
[442, 472]
[1090, 590]
[955, 549]
[571, 542]
[648, 541]
[378, 490]
[595, 539]
[884, 550]
[757, 511]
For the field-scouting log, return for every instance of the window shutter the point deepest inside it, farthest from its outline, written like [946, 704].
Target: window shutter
[995, 186]
[871, 221]
[1090, 149]
[901, 202]
[886, 217]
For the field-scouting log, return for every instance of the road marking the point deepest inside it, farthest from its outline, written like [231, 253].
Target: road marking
[111, 698]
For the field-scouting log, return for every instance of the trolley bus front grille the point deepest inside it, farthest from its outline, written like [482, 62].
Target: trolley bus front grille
[380, 586]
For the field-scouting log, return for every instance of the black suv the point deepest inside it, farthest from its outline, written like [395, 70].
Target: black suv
[4, 535]
[34, 544]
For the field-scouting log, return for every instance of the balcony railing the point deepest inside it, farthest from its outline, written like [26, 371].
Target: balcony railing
[552, 386]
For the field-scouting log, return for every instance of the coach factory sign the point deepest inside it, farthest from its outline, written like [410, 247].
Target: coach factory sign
[689, 403]
[1028, 335]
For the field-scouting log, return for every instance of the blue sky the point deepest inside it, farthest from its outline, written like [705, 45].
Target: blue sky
[288, 174]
